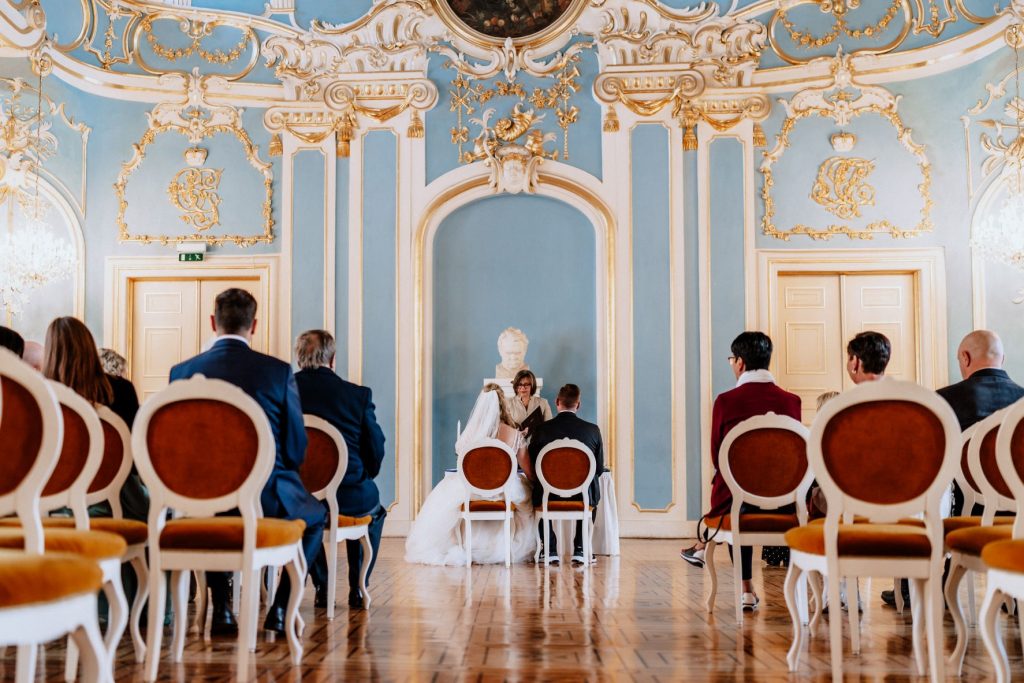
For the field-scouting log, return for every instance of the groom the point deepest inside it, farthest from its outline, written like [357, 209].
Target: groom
[566, 425]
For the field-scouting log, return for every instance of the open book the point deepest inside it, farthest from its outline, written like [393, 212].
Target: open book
[532, 420]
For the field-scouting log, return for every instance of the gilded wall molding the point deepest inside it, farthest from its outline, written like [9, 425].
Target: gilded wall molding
[838, 103]
[196, 120]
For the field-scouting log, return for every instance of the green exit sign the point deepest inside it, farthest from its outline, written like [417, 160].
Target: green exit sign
[191, 257]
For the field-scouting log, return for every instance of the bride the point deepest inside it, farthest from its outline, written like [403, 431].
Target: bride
[433, 539]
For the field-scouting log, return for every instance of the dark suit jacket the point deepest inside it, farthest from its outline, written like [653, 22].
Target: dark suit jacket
[349, 408]
[566, 425]
[125, 403]
[270, 382]
[734, 406]
[980, 395]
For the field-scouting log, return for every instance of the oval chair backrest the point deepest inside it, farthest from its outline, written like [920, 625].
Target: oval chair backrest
[1010, 458]
[326, 460]
[566, 467]
[487, 467]
[885, 450]
[981, 458]
[31, 433]
[80, 457]
[116, 464]
[965, 477]
[202, 446]
[764, 461]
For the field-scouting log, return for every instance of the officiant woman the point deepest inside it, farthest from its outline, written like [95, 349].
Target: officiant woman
[525, 400]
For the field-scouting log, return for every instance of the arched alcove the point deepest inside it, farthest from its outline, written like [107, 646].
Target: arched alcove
[511, 260]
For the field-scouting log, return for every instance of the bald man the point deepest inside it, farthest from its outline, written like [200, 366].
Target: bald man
[985, 387]
[33, 355]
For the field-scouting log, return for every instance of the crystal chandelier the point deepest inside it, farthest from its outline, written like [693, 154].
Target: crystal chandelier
[31, 254]
[1000, 237]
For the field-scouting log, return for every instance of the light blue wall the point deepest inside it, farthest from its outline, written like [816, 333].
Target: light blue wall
[308, 241]
[380, 215]
[520, 261]
[652, 332]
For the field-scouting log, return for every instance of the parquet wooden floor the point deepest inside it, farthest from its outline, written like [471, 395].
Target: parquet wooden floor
[638, 617]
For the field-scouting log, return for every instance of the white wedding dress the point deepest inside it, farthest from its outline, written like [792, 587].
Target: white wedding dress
[433, 538]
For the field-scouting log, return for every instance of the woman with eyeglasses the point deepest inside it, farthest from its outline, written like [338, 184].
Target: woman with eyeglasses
[525, 400]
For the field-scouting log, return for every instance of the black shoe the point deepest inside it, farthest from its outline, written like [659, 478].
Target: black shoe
[889, 598]
[223, 622]
[355, 601]
[320, 600]
[275, 620]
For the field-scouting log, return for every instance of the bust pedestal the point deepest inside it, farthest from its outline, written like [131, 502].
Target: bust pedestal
[506, 385]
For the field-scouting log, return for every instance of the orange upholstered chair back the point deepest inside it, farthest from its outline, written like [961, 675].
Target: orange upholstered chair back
[116, 464]
[1010, 458]
[885, 450]
[965, 476]
[983, 464]
[764, 462]
[31, 433]
[202, 446]
[566, 467]
[488, 467]
[80, 457]
[326, 460]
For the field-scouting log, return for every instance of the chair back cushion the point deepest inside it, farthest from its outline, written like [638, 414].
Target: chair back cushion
[989, 466]
[21, 433]
[566, 468]
[113, 457]
[768, 462]
[1017, 449]
[486, 467]
[321, 460]
[884, 452]
[201, 448]
[966, 469]
[74, 453]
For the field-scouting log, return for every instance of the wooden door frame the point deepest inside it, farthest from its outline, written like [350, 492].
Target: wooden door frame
[927, 266]
[122, 272]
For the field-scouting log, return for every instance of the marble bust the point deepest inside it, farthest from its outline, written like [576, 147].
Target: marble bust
[512, 345]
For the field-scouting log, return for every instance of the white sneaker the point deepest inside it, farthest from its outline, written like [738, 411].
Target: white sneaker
[750, 601]
[693, 556]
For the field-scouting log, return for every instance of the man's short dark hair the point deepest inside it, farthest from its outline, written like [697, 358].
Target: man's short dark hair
[9, 339]
[872, 349]
[234, 311]
[568, 395]
[754, 348]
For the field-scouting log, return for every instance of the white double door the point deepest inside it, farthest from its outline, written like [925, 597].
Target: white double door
[170, 322]
[817, 314]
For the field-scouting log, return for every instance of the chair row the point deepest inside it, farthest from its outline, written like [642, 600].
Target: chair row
[202, 447]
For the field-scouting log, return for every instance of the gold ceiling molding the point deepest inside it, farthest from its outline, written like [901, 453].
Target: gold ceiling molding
[196, 120]
[839, 103]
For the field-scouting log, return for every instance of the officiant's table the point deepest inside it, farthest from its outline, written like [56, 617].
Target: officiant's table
[606, 526]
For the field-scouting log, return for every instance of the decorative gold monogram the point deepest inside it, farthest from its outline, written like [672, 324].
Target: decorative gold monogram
[194, 192]
[842, 187]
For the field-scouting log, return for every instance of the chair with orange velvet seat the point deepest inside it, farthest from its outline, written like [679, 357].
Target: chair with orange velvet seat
[81, 455]
[202, 447]
[488, 470]
[764, 463]
[565, 467]
[885, 451]
[42, 597]
[1004, 559]
[966, 536]
[322, 471]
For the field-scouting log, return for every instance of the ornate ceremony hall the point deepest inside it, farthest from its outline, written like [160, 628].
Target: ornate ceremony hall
[468, 340]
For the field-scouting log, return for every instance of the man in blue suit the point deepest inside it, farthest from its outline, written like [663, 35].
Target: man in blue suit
[270, 382]
[349, 408]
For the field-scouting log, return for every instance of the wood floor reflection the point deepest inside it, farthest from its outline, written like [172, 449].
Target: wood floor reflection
[636, 617]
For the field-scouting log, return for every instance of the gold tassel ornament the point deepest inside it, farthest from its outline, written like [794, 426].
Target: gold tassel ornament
[760, 139]
[611, 121]
[275, 148]
[416, 129]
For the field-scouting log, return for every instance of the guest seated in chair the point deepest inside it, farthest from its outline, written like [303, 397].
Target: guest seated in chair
[867, 356]
[349, 408]
[567, 425]
[755, 394]
[270, 382]
[12, 341]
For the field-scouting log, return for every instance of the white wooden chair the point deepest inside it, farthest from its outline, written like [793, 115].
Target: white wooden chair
[1004, 559]
[488, 470]
[322, 471]
[967, 536]
[764, 463]
[203, 446]
[56, 595]
[565, 467]
[886, 451]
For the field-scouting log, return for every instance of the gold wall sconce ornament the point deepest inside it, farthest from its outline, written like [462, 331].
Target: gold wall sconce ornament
[843, 189]
[193, 190]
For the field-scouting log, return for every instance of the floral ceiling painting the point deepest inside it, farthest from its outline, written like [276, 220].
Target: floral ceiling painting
[509, 18]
